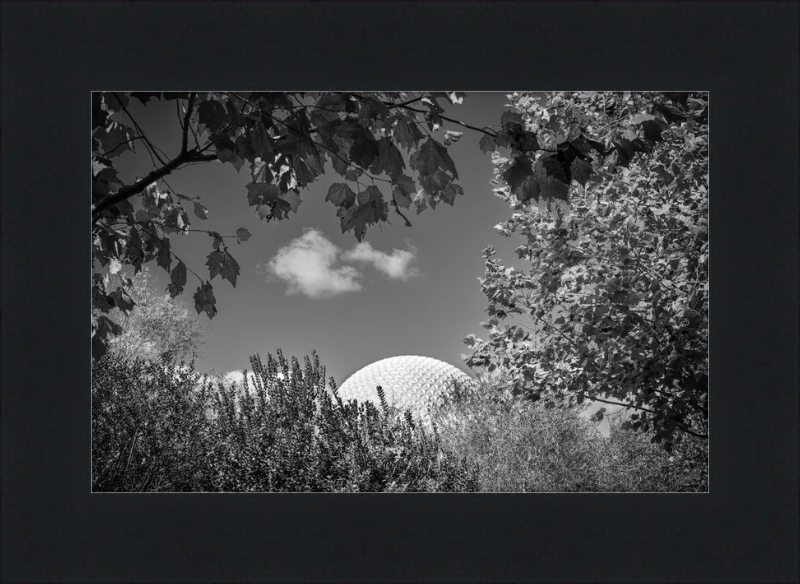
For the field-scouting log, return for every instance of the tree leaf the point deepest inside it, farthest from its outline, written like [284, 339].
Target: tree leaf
[432, 156]
[261, 193]
[405, 184]
[242, 235]
[653, 129]
[407, 133]
[389, 159]
[340, 194]
[581, 171]
[516, 174]
[115, 101]
[402, 199]
[487, 144]
[641, 117]
[114, 139]
[213, 115]
[230, 268]
[452, 137]
[512, 121]
[177, 279]
[204, 300]
[164, 258]
[529, 189]
[214, 262]
[365, 148]
[200, 210]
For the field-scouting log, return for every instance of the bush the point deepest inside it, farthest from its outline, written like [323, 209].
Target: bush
[290, 433]
[148, 425]
[519, 445]
[156, 428]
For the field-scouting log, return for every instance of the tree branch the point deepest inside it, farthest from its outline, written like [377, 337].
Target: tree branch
[185, 137]
[139, 186]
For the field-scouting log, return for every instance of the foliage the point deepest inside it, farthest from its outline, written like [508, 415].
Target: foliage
[155, 431]
[285, 139]
[522, 446]
[288, 433]
[614, 306]
[149, 426]
[157, 324]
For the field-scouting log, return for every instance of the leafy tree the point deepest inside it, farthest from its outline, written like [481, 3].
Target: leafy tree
[613, 210]
[285, 140]
[156, 325]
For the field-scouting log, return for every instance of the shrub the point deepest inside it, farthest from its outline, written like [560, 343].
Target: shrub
[158, 427]
[519, 445]
[148, 425]
[288, 432]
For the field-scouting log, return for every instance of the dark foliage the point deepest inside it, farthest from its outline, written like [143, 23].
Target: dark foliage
[283, 430]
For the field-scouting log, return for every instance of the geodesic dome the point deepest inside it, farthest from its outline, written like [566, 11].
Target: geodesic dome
[408, 381]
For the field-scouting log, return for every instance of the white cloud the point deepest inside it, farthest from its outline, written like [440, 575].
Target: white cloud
[313, 266]
[397, 265]
[307, 265]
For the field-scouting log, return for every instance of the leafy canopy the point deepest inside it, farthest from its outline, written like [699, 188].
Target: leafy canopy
[285, 140]
[613, 214]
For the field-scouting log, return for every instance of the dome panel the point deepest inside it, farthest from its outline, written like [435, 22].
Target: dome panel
[409, 382]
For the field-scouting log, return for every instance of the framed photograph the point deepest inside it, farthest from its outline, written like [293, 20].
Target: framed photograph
[400, 292]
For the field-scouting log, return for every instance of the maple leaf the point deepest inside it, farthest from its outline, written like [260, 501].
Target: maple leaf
[292, 199]
[528, 142]
[303, 174]
[200, 210]
[177, 279]
[371, 208]
[450, 192]
[389, 159]
[528, 189]
[340, 165]
[214, 262]
[401, 198]
[405, 184]
[369, 195]
[229, 269]
[365, 148]
[487, 144]
[115, 101]
[114, 139]
[581, 171]
[164, 257]
[242, 234]
[213, 115]
[641, 117]
[516, 174]
[261, 193]
[431, 156]
[407, 133]
[403, 189]
[653, 129]
[204, 300]
[511, 122]
[340, 194]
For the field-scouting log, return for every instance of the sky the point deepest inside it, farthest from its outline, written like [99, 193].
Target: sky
[304, 286]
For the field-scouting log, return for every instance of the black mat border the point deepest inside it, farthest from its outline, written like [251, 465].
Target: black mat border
[744, 530]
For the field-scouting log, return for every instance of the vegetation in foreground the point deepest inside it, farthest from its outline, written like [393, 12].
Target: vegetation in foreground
[160, 426]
